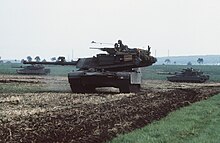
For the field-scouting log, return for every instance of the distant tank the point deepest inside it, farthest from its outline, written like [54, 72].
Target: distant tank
[119, 67]
[188, 75]
[33, 70]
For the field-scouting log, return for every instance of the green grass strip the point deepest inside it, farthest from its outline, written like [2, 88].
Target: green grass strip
[198, 123]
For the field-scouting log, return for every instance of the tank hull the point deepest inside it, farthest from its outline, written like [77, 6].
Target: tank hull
[192, 79]
[85, 82]
[33, 72]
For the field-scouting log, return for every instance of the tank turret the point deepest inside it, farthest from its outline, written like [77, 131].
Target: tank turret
[33, 70]
[118, 67]
[189, 75]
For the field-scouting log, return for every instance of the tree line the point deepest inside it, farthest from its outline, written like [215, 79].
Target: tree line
[38, 59]
[199, 61]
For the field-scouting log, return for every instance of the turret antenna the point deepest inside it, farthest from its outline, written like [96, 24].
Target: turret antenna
[94, 42]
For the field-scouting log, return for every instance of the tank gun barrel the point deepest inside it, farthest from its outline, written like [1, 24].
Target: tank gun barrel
[94, 42]
[17, 67]
[166, 73]
[108, 50]
[52, 63]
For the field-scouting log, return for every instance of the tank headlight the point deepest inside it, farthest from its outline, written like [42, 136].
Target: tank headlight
[121, 77]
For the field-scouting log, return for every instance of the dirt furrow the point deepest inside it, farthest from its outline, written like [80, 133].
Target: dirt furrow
[100, 122]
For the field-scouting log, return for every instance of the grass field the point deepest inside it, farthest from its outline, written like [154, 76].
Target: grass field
[198, 123]
[33, 84]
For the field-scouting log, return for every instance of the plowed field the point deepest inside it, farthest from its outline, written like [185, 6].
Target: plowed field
[52, 116]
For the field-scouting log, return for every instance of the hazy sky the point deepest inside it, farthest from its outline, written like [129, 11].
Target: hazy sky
[51, 28]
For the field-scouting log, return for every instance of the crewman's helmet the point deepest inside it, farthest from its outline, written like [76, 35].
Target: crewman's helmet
[119, 42]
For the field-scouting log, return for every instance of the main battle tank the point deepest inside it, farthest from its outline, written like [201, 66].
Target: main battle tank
[119, 68]
[33, 70]
[189, 75]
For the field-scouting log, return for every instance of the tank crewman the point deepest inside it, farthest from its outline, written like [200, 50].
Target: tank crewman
[116, 47]
[120, 43]
[122, 47]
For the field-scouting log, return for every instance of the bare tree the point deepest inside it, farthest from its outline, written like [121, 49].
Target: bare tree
[53, 59]
[37, 58]
[167, 61]
[200, 60]
[61, 59]
[29, 58]
[22, 60]
[189, 64]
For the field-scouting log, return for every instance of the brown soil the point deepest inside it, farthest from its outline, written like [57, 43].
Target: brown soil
[92, 118]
